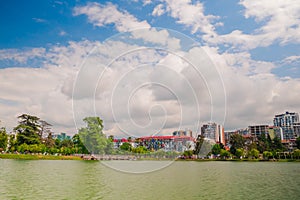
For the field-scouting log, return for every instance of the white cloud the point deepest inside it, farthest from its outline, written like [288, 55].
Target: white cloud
[191, 15]
[279, 22]
[158, 10]
[21, 56]
[101, 15]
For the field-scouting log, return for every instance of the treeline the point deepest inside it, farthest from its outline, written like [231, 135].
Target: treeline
[261, 146]
[34, 135]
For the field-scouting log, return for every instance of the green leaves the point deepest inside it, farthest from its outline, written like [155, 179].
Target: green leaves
[93, 138]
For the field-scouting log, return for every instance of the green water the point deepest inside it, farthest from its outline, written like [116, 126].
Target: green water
[43, 179]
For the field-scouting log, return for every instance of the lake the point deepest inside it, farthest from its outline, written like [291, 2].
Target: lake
[58, 179]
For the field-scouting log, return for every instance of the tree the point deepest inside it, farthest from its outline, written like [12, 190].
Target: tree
[216, 149]
[45, 129]
[126, 146]
[49, 141]
[253, 153]
[224, 154]
[78, 145]
[28, 130]
[298, 142]
[3, 139]
[297, 153]
[92, 136]
[236, 141]
[239, 153]
[267, 155]
[262, 143]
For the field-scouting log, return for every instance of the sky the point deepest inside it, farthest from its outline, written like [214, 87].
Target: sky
[149, 67]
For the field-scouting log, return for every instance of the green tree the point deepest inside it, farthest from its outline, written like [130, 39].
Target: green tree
[267, 155]
[253, 153]
[28, 130]
[297, 153]
[3, 139]
[216, 149]
[239, 153]
[224, 154]
[78, 145]
[93, 137]
[277, 145]
[298, 142]
[262, 143]
[126, 146]
[237, 141]
[188, 153]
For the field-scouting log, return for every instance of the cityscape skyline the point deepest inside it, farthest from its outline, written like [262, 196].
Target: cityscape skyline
[149, 67]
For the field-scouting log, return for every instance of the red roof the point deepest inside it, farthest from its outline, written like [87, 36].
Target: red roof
[167, 137]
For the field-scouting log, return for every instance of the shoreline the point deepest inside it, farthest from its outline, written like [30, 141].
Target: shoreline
[73, 157]
[38, 157]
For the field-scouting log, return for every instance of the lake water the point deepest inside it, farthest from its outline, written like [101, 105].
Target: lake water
[45, 179]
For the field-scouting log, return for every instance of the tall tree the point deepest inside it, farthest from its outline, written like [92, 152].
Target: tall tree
[216, 149]
[28, 130]
[3, 139]
[45, 129]
[79, 146]
[237, 142]
[93, 137]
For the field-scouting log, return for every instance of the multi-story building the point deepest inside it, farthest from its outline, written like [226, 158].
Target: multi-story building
[275, 131]
[296, 128]
[287, 121]
[257, 130]
[213, 131]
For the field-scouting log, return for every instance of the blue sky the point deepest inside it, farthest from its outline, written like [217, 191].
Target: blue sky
[248, 41]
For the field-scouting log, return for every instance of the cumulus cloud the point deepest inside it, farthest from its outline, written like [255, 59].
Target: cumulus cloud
[158, 10]
[151, 80]
[190, 14]
[279, 22]
[100, 15]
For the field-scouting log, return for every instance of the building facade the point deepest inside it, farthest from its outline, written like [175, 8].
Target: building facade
[287, 121]
[257, 130]
[214, 132]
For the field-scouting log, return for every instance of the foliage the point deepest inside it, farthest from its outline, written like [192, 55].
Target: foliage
[216, 149]
[297, 153]
[126, 146]
[267, 155]
[253, 153]
[224, 154]
[237, 141]
[298, 142]
[140, 150]
[188, 153]
[28, 130]
[239, 153]
[78, 145]
[92, 136]
[3, 139]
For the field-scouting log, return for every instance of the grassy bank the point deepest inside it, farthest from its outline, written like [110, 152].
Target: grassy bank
[37, 157]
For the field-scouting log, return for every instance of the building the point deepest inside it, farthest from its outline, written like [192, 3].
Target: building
[214, 132]
[257, 130]
[275, 131]
[183, 133]
[61, 136]
[168, 143]
[287, 121]
[296, 128]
